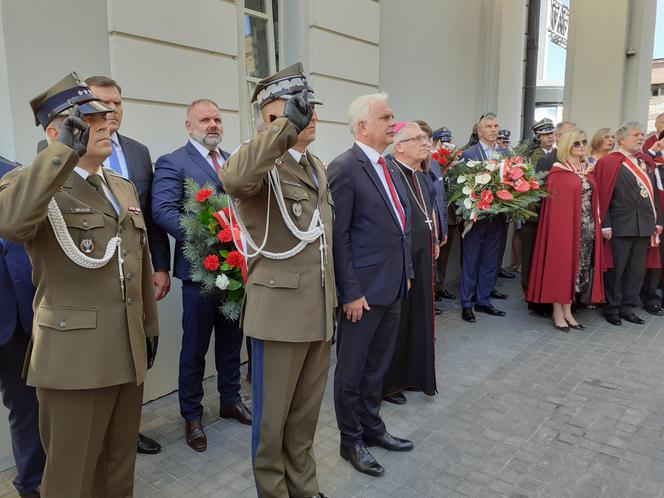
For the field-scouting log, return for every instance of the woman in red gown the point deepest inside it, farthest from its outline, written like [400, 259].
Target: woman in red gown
[568, 246]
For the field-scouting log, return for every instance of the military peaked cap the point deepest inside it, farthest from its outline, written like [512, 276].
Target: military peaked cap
[543, 127]
[283, 85]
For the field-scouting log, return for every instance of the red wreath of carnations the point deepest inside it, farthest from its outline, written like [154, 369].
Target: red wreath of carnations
[212, 262]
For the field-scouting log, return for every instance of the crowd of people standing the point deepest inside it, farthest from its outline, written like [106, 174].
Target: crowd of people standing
[363, 244]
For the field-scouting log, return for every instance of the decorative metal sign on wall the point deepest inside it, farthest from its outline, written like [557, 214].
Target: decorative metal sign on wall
[558, 23]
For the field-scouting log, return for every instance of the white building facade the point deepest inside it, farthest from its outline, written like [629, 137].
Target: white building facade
[446, 62]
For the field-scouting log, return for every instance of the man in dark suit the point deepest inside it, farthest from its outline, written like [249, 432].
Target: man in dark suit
[199, 159]
[373, 270]
[131, 160]
[631, 218]
[483, 244]
[16, 294]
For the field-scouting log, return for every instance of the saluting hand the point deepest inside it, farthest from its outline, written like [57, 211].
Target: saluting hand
[658, 146]
[299, 110]
[74, 133]
[355, 309]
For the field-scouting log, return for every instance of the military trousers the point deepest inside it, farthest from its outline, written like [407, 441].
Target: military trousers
[288, 383]
[89, 436]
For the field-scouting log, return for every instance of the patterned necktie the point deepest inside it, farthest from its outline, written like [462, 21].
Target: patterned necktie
[215, 161]
[393, 192]
[97, 182]
[114, 160]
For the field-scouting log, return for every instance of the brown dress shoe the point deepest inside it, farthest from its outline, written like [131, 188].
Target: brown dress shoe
[195, 435]
[238, 411]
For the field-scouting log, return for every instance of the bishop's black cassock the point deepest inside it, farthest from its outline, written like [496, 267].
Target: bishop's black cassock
[413, 364]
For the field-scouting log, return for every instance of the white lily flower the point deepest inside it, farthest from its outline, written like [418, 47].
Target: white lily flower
[461, 179]
[467, 190]
[222, 282]
[483, 179]
[471, 164]
[468, 203]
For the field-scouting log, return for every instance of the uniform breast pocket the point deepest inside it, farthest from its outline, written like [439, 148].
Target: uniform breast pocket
[296, 198]
[142, 231]
[66, 318]
[86, 230]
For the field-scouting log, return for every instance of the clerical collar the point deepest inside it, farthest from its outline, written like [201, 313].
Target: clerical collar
[297, 155]
[405, 165]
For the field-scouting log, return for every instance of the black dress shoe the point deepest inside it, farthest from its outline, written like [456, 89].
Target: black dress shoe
[389, 442]
[613, 319]
[447, 294]
[562, 328]
[489, 310]
[147, 446]
[496, 294]
[577, 326]
[503, 273]
[238, 411]
[467, 314]
[631, 317]
[654, 309]
[360, 458]
[396, 398]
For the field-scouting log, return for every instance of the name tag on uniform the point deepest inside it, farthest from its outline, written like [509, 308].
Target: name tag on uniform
[79, 210]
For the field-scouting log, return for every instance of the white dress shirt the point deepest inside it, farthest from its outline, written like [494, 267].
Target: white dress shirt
[490, 153]
[205, 152]
[373, 156]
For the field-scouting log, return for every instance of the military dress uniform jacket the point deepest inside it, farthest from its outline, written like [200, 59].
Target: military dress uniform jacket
[285, 299]
[85, 335]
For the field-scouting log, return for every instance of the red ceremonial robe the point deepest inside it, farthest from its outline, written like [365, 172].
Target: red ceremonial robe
[606, 173]
[556, 256]
[649, 143]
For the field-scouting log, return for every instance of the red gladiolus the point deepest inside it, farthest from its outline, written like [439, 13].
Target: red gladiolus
[203, 194]
[226, 235]
[234, 259]
[504, 195]
[212, 262]
[534, 184]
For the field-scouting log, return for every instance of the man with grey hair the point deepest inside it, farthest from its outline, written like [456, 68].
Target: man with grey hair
[631, 220]
[199, 159]
[373, 269]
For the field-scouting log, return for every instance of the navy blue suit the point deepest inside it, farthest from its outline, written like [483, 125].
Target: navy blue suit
[437, 192]
[482, 247]
[200, 314]
[16, 294]
[371, 259]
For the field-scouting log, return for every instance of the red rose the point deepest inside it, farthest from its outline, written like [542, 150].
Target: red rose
[534, 184]
[504, 195]
[226, 235]
[435, 156]
[212, 262]
[203, 194]
[235, 259]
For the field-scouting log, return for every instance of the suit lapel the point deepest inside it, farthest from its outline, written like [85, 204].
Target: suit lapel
[128, 152]
[84, 192]
[370, 170]
[119, 187]
[198, 159]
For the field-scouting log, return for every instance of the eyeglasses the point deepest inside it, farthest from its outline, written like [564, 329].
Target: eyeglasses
[423, 139]
[580, 143]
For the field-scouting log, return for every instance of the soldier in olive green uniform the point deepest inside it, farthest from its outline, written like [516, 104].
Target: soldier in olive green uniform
[290, 288]
[95, 324]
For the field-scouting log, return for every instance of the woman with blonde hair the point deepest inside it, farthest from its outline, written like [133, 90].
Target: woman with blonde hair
[569, 235]
[601, 144]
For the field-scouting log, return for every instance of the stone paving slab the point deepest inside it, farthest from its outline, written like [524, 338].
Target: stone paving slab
[522, 411]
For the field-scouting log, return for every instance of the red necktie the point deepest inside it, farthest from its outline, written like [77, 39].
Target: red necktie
[393, 192]
[215, 161]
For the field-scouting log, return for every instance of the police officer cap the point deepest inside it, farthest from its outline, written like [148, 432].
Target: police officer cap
[543, 127]
[504, 135]
[443, 134]
[66, 93]
[283, 85]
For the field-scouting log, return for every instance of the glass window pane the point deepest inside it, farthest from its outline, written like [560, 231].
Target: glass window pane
[256, 47]
[257, 5]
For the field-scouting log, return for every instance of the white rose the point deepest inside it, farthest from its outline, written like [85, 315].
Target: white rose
[483, 179]
[468, 203]
[222, 282]
[461, 179]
